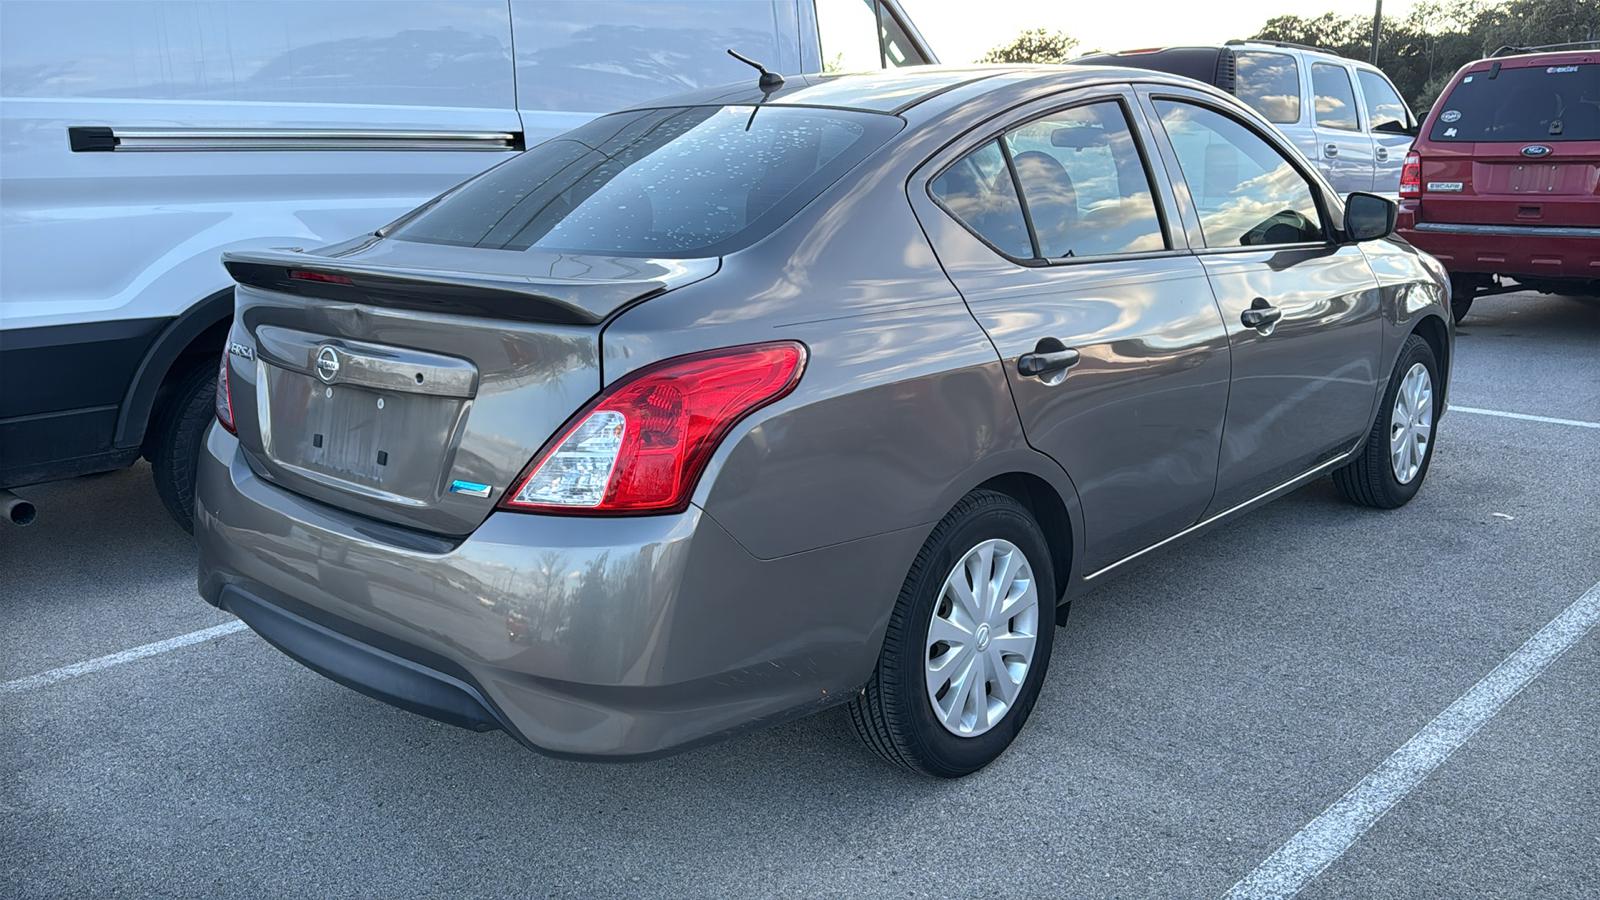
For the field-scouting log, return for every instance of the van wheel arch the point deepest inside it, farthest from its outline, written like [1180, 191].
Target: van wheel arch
[191, 340]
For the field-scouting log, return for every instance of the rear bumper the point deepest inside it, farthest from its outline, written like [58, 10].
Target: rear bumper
[1512, 250]
[586, 638]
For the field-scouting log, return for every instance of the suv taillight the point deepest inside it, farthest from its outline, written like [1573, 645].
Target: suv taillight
[641, 445]
[1411, 176]
[225, 396]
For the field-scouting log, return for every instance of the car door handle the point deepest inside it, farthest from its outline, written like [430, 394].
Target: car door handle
[1330, 151]
[1383, 154]
[1043, 363]
[1261, 314]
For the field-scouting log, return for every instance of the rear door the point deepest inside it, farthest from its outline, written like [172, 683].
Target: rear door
[1114, 348]
[1344, 148]
[1302, 313]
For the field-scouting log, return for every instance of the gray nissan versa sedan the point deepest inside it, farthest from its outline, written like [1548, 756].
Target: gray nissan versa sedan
[714, 413]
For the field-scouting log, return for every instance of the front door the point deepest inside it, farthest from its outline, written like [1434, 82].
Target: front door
[1113, 345]
[1302, 311]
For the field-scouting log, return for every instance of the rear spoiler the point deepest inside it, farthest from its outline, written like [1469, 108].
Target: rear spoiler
[520, 298]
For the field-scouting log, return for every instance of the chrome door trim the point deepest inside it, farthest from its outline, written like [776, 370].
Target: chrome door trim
[192, 139]
[1257, 500]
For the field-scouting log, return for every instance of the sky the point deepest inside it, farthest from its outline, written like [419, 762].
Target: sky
[960, 35]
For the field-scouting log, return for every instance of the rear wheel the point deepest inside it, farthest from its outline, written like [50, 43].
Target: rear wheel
[177, 435]
[1463, 288]
[1388, 471]
[968, 643]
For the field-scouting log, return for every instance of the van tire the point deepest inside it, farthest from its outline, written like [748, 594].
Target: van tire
[178, 433]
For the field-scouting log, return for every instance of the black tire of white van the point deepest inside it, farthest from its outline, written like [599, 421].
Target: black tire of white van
[1369, 478]
[177, 435]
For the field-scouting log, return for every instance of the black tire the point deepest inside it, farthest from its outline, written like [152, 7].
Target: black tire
[176, 436]
[1462, 291]
[893, 713]
[1369, 479]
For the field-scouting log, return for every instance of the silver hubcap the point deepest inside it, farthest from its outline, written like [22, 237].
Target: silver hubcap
[1411, 424]
[981, 638]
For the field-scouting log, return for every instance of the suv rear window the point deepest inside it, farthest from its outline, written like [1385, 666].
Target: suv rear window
[1535, 103]
[675, 183]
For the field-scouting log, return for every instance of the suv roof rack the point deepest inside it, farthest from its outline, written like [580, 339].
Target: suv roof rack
[1508, 50]
[1236, 41]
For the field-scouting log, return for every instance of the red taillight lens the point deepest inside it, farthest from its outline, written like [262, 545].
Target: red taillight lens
[641, 445]
[1411, 176]
[225, 397]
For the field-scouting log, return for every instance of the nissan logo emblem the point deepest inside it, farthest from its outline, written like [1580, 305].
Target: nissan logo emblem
[327, 364]
[1536, 150]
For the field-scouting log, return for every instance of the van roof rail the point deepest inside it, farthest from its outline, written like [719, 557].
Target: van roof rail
[1508, 50]
[1236, 41]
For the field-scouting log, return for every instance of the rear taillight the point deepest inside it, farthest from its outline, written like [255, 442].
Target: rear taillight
[641, 445]
[1411, 176]
[225, 397]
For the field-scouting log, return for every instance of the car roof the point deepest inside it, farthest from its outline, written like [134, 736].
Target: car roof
[1536, 58]
[894, 91]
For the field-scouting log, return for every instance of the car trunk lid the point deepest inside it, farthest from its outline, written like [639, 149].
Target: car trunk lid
[412, 383]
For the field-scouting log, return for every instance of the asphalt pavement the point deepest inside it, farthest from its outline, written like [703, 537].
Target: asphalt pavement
[1199, 713]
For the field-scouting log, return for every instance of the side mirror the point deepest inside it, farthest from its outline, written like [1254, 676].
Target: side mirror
[1368, 217]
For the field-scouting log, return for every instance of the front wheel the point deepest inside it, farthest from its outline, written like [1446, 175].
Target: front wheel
[1388, 471]
[968, 643]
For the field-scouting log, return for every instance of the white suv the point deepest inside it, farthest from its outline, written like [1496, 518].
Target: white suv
[1343, 114]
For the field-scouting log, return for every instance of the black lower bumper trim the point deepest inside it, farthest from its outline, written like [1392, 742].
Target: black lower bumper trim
[374, 672]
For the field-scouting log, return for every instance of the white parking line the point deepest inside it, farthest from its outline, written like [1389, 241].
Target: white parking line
[1523, 416]
[1329, 835]
[116, 659]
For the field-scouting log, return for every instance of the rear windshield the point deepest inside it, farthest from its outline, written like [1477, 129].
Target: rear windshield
[675, 183]
[1537, 103]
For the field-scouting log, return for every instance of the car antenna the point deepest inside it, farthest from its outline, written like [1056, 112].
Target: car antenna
[770, 81]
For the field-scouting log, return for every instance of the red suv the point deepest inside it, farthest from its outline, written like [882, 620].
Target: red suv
[1502, 182]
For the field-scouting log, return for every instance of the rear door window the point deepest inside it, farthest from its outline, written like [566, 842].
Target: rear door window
[1085, 184]
[675, 183]
[1335, 98]
[1536, 103]
[1270, 84]
[851, 43]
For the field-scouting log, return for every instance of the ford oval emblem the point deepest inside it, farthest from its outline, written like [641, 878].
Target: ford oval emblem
[1536, 150]
[327, 364]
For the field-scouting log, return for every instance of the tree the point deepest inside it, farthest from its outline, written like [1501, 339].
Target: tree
[1036, 45]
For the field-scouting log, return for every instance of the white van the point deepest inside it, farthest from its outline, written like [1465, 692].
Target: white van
[139, 140]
